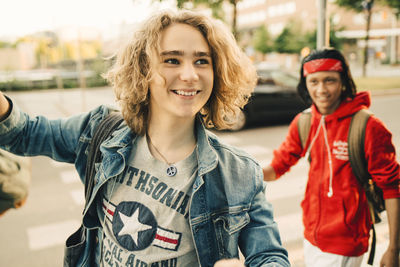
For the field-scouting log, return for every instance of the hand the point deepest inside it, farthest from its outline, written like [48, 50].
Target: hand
[269, 173]
[390, 258]
[229, 263]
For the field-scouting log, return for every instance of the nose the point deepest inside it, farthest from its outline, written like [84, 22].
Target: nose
[320, 87]
[189, 73]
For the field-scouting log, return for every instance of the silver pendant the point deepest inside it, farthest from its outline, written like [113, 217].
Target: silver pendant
[171, 170]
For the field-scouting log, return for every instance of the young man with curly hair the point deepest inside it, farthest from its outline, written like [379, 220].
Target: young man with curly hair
[167, 191]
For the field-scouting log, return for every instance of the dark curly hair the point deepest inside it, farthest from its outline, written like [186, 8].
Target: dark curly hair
[345, 75]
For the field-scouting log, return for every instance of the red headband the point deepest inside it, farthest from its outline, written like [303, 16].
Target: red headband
[322, 64]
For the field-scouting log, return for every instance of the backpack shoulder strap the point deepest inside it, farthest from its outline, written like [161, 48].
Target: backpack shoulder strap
[355, 142]
[304, 125]
[103, 130]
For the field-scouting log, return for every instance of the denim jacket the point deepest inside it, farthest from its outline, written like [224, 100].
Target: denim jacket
[228, 209]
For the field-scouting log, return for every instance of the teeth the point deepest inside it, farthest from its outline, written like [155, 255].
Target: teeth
[322, 98]
[186, 93]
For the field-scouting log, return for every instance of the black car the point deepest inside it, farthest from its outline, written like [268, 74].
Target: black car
[275, 99]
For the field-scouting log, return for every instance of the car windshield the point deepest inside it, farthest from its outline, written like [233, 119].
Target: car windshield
[277, 77]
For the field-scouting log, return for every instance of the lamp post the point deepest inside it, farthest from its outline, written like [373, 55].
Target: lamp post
[367, 6]
[393, 54]
[322, 34]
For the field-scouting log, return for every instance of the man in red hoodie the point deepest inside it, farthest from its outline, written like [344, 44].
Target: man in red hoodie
[336, 216]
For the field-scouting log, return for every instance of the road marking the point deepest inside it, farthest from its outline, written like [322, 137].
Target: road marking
[69, 177]
[78, 196]
[285, 188]
[50, 235]
[229, 139]
[296, 257]
[256, 150]
[59, 164]
[290, 227]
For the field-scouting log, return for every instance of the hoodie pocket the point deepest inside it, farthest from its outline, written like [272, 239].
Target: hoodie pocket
[332, 223]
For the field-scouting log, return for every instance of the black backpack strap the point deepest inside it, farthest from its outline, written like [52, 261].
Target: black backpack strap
[304, 125]
[75, 243]
[103, 130]
[373, 246]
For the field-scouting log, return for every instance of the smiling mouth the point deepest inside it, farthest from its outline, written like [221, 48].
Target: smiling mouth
[323, 98]
[185, 93]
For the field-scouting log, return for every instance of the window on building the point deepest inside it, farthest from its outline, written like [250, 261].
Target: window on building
[282, 9]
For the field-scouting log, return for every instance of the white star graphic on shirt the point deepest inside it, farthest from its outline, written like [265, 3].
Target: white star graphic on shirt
[132, 226]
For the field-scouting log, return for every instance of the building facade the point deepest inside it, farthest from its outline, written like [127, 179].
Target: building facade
[276, 14]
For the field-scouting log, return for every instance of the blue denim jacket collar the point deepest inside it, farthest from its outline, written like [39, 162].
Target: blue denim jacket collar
[123, 137]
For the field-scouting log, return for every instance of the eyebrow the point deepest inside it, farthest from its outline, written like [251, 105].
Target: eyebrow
[181, 53]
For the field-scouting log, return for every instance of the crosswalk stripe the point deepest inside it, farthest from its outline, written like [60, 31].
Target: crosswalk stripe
[296, 257]
[69, 177]
[58, 164]
[229, 139]
[292, 188]
[49, 235]
[78, 196]
[290, 227]
[257, 150]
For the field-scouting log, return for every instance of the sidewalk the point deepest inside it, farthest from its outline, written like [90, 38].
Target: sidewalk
[394, 91]
[375, 70]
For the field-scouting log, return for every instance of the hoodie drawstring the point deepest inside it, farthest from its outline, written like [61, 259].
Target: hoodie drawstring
[322, 124]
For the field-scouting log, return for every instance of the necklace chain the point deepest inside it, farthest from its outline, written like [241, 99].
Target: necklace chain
[171, 170]
[159, 153]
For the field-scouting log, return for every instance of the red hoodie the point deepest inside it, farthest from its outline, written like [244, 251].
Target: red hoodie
[339, 222]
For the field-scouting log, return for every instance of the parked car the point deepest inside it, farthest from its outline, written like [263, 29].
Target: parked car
[275, 99]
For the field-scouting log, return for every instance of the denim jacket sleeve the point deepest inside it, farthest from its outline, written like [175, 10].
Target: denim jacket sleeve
[260, 241]
[64, 140]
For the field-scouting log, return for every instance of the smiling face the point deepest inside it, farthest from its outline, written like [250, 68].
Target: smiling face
[184, 77]
[325, 89]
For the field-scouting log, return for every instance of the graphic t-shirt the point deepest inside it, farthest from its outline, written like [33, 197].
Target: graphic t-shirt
[146, 222]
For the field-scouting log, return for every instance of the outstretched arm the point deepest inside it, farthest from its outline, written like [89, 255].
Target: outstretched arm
[287, 155]
[391, 257]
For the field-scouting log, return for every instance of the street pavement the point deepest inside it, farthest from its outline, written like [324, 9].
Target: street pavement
[376, 70]
[284, 194]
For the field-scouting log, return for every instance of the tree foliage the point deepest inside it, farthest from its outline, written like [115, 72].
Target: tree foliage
[216, 7]
[262, 40]
[4, 44]
[290, 40]
[356, 5]
[395, 4]
[359, 5]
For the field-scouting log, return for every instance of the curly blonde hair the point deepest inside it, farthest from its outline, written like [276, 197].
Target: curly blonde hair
[234, 74]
